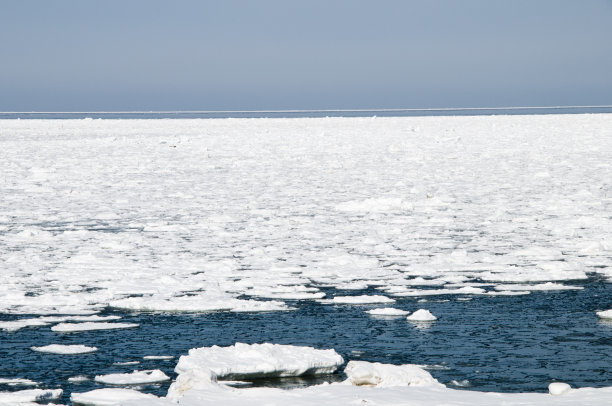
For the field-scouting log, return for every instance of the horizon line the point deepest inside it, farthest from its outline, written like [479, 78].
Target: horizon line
[374, 110]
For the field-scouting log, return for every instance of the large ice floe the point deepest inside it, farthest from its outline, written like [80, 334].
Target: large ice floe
[366, 383]
[246, 361]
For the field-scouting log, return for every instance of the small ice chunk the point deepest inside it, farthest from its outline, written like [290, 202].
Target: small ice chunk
[78, 378]
[133, 378]
[605, 314]
[65, 349]
[88, 326]
[558, 388]
[126, 363]
[363, 299]
[158, 357]
[30, 395]
[109, 396]
[387, 311]
[247, 361]
[17, 382]
[421, 315]
[384, 375]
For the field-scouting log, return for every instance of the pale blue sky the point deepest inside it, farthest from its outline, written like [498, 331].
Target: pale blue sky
[80, 55]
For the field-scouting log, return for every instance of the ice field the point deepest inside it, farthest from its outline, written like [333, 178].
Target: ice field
[247, 216]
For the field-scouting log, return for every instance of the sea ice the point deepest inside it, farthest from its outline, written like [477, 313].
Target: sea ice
[421, 315]
[363, 299]
[559, 388]
[248, 361]
[65, 349]
[15, 325]
[89, 326]
[387, 311]
[605, 314]
[133, 378]
[29, 395]
[17, 382]
[384, 375]
[111, 397]
[162, 357]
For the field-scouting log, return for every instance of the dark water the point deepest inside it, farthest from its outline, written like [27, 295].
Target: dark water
[503, 344]
[311, 113]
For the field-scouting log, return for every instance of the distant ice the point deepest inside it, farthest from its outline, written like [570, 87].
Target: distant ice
[421, 315]
[89, 326]
[537, 287]
[363, 299]
[65, 349]
[244, 361]
[133, 378]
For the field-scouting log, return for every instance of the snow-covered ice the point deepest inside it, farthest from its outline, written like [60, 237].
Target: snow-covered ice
[605, 314]
[362, 299]
[387, 311]
[559, 388]
[248, 361]
[133, 378]
[421, 315]
[17, 382]
[111, 397]
[367, 383]
[384, 375]
[29, 395]
[65, 349]
[90, 326]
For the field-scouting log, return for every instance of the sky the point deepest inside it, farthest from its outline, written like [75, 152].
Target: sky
[143, 55]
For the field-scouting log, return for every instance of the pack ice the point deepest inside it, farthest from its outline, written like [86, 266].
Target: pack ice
[258, 214]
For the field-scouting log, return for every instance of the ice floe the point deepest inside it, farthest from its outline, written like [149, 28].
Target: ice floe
[366, 383]
[17, 382]
[133, 378]
[65, 349]
[422, 315]
[248, 361]
[30, 395]
[387, 311]
[158, 357]
[90, 326]
[362, 299]
[384, 375]
[111, 396]
[605, 314]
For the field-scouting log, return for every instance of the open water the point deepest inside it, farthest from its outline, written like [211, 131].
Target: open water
[502, 344]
